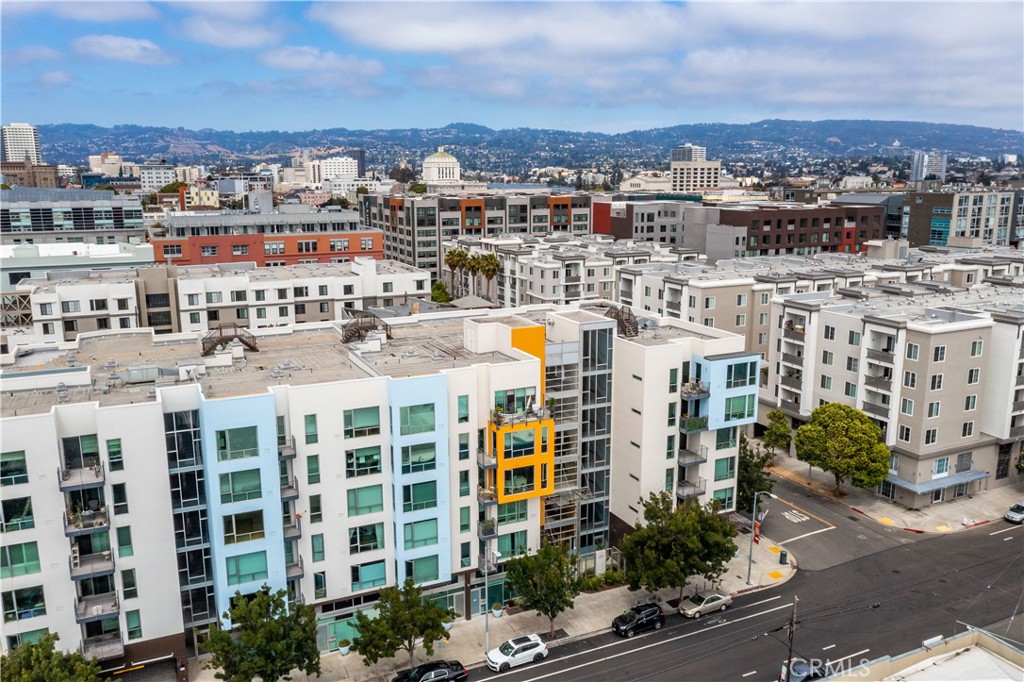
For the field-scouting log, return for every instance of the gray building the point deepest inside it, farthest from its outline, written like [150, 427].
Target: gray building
[42, 216]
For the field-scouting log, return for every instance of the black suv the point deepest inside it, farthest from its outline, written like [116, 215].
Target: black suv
[434, 671]
[638, 618]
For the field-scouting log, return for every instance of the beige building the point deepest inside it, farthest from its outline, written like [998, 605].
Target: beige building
[689, 176]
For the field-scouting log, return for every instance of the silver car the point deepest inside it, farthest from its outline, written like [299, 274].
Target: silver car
[701, 603]
[1015, 514]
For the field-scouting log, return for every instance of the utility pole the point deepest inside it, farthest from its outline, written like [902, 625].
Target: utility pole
[792, 628]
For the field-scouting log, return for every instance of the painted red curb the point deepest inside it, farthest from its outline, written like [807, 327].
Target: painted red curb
[915, 530]
[858, 511]
[979, 523]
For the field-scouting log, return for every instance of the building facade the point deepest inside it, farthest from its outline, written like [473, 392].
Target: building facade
[43, 216]
[964, 219]
[20, 142]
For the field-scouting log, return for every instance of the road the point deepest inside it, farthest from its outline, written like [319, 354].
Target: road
[890, 594]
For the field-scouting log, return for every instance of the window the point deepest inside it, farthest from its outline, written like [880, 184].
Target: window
[214, 297]
[242, 313]
[463, 483]
[130, 588]
[936, 382]
[907, 407]
[114, 454]
[463, 409]
[368, 575]
[724, 498]
[741, 374]
[307, 246]
[322, 289]
[313, 469]
[852, 364]
[933, 410]
[910, 379]
[316, 510]
[709, 322]
[418, 457]
[311, 435]
[70, 306]
[195, 318]
[830, 333]
[939, 354]
[904, 433]
[520, 443]
[238, 295]
[851, 390]
[419, 496]
[365, 500]
[970, 403]
[17, 514]
[764, 298]
[739, 407]
[243, 527]
[741, 320]
[725, 468]
[423, 569]
[511, 544]
[421, 533]
[98, 304]
[124, 541]
[246, 568]
[913, 351]
[172, 250]
[673, 380]
[23, 604]
[967, 430]
[725, 438]
[940, 466]
[854, 338]
[973, 375]
[45, 309]
[240, 485]
[362, 461]
[826, 382]
[741, 300]
[671, 414]
[511, 512]
[709, 302]
[976, 348]
[282, 311]
[237, 443]
[18, 560]
[260, 294]
[416, 419]
[320, 585]
[930, 436]
[317, 544]
[70, 326]
[827, 358]
[366, 538]
[464, 522]
[120, 499]
[364, 421]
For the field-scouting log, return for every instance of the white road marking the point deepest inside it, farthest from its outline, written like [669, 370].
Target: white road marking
[836, 660]
[757, 603]
[795, 516]
[1005, 530]
[1009, 538]
[752, 672]
[830, 646]
[813, 532]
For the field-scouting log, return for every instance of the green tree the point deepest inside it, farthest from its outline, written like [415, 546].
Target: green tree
[403, 617]
[335, 201]
[172, 188]
[778, 434]
[844, 442]
[42, 662]
[418, 188]
[456, 260]
[473, 265]
[545, 582]
[717, 540]
[439, 292]
[268, 640]
[489, 265]
[751, 477]
[362, 190]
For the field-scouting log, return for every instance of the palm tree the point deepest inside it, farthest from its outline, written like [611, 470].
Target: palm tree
[455, 260]
[473, 263]
[490, 266]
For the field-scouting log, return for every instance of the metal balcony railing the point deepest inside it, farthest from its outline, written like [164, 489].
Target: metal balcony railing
[881, 356]
[689, 457]
[693, 424]
[688, 489]
[78, 478]
[877, 410]
[96, 607]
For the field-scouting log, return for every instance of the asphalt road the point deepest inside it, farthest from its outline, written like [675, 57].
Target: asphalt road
[880, 603]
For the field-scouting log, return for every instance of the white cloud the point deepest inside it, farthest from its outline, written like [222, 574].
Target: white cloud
[307, 58]
[29, 54]
[54, 79]
[121, 48]
[227, 32]
[100, 11]
[228, 9]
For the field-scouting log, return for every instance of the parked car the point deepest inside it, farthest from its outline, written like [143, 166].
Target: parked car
[638, 618]
[803, 672]
[1015, 514]
[701, 603]
[516, 652]
[434, 671]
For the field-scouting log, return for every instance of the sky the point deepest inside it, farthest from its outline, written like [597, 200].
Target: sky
[605, 66]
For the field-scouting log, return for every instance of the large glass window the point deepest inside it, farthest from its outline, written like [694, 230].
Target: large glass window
[311, 433]
[725, 438]
[421, 533]
[464, 522]
[25, 603]
[320, 585]
[18, 560]
[419, 496]
[741, 374]
[365, 500]
[81, 451]
[362, 461]
[317, 543]
[515, 400]
[364, 421]
[463, 446]
[237, 443]
[422, 570]
[416, 419]
[17, 514]
[316, 510]
[133, 623]
[512, 544]
[419, 457]
[243, 527]
[114, 454]
[510, 512]
[520, 443]
[463, 409]
[725, 468]
[246, 568]
[240, 485]
[366, 538]
[519, 480]
[369, 575]
[124, 541]
[739, 407]
[724, 497]
[313, 469]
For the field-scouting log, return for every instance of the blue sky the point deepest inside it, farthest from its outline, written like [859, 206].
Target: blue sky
[606, 66]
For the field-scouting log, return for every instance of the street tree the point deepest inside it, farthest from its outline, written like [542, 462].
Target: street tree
[490, 266]
[268, 639]
[41, 662]
[751, 473]
[545, 582]
[844, 442]
[717, 540]
[404, 616]
[778, 434]
[439, 292]
[456, 261]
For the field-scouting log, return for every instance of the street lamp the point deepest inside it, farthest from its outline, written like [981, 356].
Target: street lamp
[487, 597]
[753, 530]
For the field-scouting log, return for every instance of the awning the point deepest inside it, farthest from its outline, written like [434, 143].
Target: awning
[937, 483]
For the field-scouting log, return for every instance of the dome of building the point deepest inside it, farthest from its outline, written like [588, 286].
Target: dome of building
[441, 167]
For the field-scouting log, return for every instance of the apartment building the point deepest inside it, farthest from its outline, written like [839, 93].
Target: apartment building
[200, 298]
[290, 235]
[44, 216]
[415, 226]
[20, 142]
[20, 262]
[156, 174]
[927, 165]
[942, 374]
[964, 219]
[662, 221]
[27, 174]
[691, 176]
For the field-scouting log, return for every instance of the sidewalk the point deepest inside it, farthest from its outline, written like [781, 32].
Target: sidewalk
[593, 612]
[942, 517]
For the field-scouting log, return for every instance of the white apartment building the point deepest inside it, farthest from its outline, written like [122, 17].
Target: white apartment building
[690, 176]
[320, 170]
[153, 176]
[20, 142]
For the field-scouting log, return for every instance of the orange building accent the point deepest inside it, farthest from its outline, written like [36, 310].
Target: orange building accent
[252, 248]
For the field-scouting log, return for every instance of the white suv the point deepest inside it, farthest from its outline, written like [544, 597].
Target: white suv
[1015, 514]
[516, 652]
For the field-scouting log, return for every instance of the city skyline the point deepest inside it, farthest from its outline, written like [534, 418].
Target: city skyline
[572, 66]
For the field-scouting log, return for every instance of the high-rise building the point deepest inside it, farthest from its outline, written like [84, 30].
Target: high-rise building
[969, 219]
[928, 164]
[689, 152]
[691, 171]
[360, 156]
[20, 142]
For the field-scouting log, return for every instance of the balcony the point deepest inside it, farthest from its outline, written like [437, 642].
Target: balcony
[487, 529]
[1018, 406]
[790, 407]
[103, 646]
[292, 531]
[79, 478]
[83, 523]
[673, 305]
[881, 356]
[688, 457]
[500, 418]
[694, 390]
[877, 410]
[1020, 355]
[688, 489]
[485, 460]
[286, 450]
[693, 424]
[486, 495]
[794, 334]
[90, 565]
[572, 279]
[96, 607]
[882, 383]
[791, 382]
[791, 359]
[1017, 431]
[290, 489]
[295, 569]
[1020, 380]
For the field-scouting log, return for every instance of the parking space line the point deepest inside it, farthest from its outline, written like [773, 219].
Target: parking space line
[752, 672]
[836, 660]
[830, 646]
[813, 532]
[1005, 530]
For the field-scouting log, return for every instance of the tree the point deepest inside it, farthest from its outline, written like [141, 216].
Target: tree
[418, 188]
[545, 582]
[844, 442]
[335, 201]
[490, 266]
[362, 190]
[402, 173]
[778, 434]
[403, 617]
[172, 188]
[42, 662]
[473, 265]
[268, 640]
[439, 293]
[751, 477]
[456, 261]
[673, 544]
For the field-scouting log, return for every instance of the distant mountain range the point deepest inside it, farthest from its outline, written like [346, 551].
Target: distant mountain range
[514, 150]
